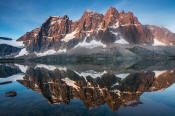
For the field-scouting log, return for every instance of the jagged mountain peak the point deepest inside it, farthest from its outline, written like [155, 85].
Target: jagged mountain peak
[112, 11]
[60, 33]
[122, 12]
[89, 11]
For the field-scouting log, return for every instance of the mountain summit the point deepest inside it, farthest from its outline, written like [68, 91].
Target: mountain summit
[59, 34]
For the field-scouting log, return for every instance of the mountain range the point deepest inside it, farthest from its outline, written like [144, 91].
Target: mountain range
[62, 35]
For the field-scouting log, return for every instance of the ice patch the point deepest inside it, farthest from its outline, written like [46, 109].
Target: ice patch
[12, 43]
[158, 43]
[122, 75]
[69, 36]
[22, 52]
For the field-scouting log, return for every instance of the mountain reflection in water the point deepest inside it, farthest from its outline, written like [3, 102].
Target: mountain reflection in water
[93, 85]
[59, 84]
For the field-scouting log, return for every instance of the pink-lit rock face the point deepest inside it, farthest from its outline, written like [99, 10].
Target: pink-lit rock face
[62, 33]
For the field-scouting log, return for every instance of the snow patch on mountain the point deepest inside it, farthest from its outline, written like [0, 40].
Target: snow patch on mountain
[158, 43]
[91, 44]
[121, 40]
[22, 52]
[125, 25]
[54, 22]
[117, 83]
[69, 36]
[12, 43]
[100, 27]
[50, 52]
[158, 73]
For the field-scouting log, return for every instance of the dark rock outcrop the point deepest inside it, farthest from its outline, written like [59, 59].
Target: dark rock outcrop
[11, 94]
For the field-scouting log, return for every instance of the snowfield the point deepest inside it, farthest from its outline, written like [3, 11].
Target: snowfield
[91, 44]
[69, 36]
[22, 52]
[158, 43]
[50, 52]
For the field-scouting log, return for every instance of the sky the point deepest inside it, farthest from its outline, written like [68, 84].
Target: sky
[20, 16]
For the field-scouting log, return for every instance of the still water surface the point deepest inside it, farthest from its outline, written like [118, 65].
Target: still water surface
[86, 90]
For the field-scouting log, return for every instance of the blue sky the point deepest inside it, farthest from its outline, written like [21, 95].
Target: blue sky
[20, 16]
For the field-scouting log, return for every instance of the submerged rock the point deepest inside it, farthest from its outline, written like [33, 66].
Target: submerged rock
[11, 94]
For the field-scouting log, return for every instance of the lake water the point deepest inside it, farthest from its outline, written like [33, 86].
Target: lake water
[87, 90]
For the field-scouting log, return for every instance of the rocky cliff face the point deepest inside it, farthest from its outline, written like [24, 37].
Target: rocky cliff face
[162, 35]
[61, 33]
